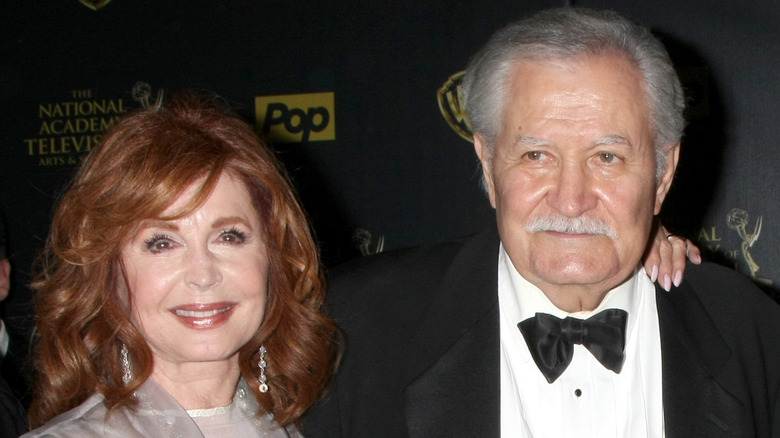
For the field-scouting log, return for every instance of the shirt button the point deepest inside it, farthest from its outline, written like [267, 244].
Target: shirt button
[577, 392]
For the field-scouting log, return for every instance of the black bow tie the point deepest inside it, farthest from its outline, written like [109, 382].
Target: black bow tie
[551, 340]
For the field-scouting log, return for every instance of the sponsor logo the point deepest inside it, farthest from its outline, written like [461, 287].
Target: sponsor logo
[450, 98]
[296, 118]
[69, 128]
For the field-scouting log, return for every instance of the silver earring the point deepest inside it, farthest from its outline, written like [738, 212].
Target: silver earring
[127, 371]
[262, 364]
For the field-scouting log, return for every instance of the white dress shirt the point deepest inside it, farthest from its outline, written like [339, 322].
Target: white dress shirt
[588, 400]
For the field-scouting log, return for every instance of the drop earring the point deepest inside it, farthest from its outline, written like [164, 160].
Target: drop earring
[127, 371]
[262, 364]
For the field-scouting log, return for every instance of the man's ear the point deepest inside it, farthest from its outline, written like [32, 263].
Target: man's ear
[665, 183]
[486, 158]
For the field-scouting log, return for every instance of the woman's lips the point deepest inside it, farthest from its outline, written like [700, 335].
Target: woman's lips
[204, 316]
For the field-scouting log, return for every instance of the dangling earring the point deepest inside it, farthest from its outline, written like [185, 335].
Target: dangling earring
[262, 364]
[127, 371]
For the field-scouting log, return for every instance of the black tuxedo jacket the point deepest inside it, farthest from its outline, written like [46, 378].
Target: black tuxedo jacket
[13, 418]
[422, 349]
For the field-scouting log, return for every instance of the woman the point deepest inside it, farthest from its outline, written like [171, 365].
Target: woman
[181, 291]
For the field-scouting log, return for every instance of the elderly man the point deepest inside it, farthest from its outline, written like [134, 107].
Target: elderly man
[13, 419]
[549, 327]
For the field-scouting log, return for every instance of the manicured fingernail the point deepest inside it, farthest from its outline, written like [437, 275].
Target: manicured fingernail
[677, 278]
[667, 283]
[654, 274]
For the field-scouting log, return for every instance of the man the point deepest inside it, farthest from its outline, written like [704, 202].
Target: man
[577, 117]
[13, 419]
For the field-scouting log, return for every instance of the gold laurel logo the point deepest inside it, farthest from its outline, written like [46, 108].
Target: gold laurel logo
[95, 4]
[450, 98]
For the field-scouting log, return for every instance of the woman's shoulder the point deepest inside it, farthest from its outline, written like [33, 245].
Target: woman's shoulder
[86, 420]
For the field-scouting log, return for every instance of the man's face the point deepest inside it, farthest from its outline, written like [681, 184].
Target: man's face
[572, 177]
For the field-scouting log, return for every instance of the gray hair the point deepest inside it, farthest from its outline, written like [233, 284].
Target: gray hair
[565, 33]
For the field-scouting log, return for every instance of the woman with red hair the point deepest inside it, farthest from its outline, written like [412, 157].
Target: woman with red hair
[180, 292]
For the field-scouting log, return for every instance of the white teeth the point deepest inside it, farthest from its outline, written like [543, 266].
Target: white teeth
[200, 314]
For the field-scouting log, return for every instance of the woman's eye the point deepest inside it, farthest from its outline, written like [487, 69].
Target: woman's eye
[157, 244]
[232, 236]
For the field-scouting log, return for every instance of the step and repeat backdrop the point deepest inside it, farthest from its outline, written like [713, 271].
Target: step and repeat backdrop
[361, 100]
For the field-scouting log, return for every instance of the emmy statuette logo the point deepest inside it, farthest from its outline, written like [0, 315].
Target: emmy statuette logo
[362, 240]
[737, 220]
[141, 93]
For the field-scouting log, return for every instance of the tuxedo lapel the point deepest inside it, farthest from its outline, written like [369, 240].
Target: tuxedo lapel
[696, 404]
[455, 386]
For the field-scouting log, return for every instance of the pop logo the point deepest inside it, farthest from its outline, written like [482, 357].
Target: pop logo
[296, 118]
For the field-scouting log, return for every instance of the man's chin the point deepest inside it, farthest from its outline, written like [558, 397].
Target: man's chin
[579, 272]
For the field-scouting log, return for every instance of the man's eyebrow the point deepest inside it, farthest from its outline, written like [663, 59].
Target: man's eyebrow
[532, 141]
[611, 139]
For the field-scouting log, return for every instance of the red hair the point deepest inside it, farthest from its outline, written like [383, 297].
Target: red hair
[142, 165]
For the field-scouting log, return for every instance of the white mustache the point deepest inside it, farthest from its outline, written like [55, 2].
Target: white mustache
[571, 225]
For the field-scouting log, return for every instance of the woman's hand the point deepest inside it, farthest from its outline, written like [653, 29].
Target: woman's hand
[665, 258]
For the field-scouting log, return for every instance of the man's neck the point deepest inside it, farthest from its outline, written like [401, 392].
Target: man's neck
[575, 299]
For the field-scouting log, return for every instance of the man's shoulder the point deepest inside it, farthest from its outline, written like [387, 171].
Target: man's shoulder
[398, 279]
[721, 283]
[400, 284]
[416, 263]
[729, 296]
[396, 265]
[13, 419]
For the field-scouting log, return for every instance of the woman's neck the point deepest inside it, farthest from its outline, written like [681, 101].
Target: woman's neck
[201, 385]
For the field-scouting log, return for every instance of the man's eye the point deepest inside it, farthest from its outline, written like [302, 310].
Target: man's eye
[607, 157]
[534, 155]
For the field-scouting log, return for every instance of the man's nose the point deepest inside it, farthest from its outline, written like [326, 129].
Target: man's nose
[572, 193]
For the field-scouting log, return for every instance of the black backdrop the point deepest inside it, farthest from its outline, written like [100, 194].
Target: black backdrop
[366, 142]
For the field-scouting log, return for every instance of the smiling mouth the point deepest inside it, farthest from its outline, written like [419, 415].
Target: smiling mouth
[200, 314]
[204, 316]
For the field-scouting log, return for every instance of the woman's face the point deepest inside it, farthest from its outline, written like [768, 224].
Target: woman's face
[198, 284]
